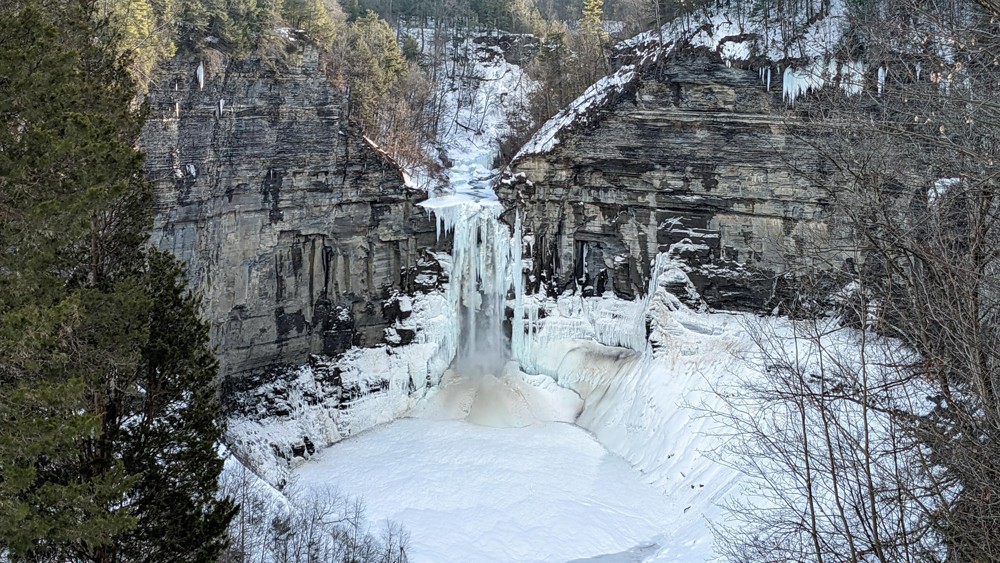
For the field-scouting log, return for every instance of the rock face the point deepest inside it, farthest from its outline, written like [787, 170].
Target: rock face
[295, 229]
[695, 158]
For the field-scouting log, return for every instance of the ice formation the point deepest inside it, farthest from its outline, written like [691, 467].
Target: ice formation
[481, 274]
[478, 111]
[629, 372]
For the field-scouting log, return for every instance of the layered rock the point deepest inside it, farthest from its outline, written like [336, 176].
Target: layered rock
[295, 229]
[682, 154]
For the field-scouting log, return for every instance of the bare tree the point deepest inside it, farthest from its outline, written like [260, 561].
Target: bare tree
[300, 526]
[883, 445]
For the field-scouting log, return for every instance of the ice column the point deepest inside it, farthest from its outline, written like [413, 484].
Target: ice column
[482, 273]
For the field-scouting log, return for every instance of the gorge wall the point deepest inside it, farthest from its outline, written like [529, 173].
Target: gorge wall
[295, 229]
[689, 156]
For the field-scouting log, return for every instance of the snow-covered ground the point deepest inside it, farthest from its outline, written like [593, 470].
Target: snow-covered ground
[594, 442]
[466, 492]
[488, 470]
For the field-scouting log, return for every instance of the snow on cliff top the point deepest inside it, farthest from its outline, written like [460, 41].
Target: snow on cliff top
[733, 37]
[601, 94]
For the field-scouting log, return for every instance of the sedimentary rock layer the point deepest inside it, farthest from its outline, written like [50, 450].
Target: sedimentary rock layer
[695, 156]
[295, 229]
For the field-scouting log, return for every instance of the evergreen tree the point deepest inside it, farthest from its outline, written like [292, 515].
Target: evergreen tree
[493, 13]
[593, 41]
[352, 9]
[108, 422]
[239, 25]
[374, 63]
[318, 18]
[142, 28]
[591, 22]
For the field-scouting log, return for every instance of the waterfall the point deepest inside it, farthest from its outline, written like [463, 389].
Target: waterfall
[485, 265]
[483, 271]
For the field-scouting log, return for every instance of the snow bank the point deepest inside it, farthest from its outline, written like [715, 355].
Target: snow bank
[599, 95]
[645, 405]
[289, 420]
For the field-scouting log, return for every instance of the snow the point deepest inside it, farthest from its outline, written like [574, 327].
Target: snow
[548, 492]
[605, 91]
[940, 188]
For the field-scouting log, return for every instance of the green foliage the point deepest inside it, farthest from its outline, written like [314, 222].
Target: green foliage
[495, 13]
[352, 9]
[411, 49]
[374, 63]
[167, 426]
[593, 39]
[108, 421]
[239, 25]
[318, 18]
[143, 29]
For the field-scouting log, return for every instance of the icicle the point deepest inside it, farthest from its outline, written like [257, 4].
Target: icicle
[200, 73]
[768, 79]
[789, 86]
[483, 269]
[852, 75]
[177, 109]
[222, 106]
[917, 67]
[881, 79]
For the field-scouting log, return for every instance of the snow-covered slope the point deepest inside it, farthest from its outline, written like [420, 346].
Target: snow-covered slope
[479, 91]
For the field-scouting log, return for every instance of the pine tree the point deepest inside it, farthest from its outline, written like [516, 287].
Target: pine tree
[374, 63]
[108, 422]
[352, 9]
[168, 427]
[318, 18]
[591, 22]
[142, 28]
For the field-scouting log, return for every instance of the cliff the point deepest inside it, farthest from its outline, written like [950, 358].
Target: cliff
[679, 153]
[295, 229]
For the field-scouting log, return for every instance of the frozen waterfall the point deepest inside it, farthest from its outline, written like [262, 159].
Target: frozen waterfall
[483, 273]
